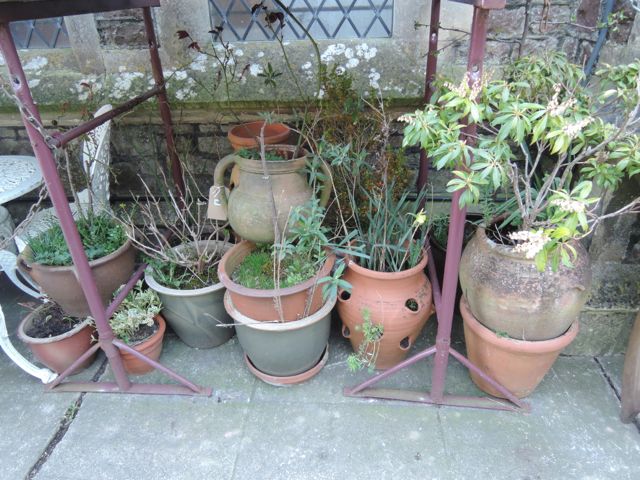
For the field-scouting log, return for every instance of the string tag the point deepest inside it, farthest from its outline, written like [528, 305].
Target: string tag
[217, 208]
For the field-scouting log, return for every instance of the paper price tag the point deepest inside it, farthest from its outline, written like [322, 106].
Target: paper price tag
[217, 208]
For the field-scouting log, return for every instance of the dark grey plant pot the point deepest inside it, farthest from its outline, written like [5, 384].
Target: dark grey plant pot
[283, 349]
[197, 316]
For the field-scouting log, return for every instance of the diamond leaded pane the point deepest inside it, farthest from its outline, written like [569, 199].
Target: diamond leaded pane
[322, 18]
[43, 33]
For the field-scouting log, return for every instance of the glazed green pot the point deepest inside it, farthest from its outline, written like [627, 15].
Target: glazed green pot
[197, 316]
[249, 204]
[283, 349]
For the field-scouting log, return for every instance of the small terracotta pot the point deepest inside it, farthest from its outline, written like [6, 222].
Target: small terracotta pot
[151, 347]
[58, 353]
[386, 297]
[259, 304]
[244, 135]
[61, 284]
[517, 365]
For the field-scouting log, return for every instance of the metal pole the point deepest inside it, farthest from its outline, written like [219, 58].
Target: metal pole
[59, 199]
[456, 222]
[165, 111]
[430, 75]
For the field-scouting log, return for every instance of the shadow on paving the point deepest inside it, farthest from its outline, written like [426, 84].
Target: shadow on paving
[248, 429]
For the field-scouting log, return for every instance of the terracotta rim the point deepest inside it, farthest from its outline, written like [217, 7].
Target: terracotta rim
[293, 379]
[25, 256]
[276, 326]
[154, 285]
[22, 335]
[388, 275]
[237, 135]
[225, 279]
[512, 344]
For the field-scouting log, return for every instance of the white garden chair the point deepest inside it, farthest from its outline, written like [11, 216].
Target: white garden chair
[95, 160]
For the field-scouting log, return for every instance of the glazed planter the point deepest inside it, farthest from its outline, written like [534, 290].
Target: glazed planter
[284, 352]
[517, 365]
[245, 135]
[388, 297]
[151, 347]
[61, 285]
[195, 315]
[507, 293]
[260, 305]
[249, 203]
[58, 353]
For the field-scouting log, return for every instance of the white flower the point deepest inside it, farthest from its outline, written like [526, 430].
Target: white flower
[573, 129]
[532, 242]
[571, 206]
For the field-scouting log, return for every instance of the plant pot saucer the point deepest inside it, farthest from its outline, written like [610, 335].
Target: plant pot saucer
[290, 380]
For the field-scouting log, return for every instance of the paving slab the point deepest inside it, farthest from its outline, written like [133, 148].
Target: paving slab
[341, 441]
[613, 366]
[573, 432]
[148, 437]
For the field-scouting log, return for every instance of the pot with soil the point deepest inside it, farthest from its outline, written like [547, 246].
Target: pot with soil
[399, 303]
[138, 323]
[508, 294]
[247, 272]
[47, 260]
[517, 365]
[246, 135]
[283, 353]
[56, 339]
[193, 303]
[249, 203]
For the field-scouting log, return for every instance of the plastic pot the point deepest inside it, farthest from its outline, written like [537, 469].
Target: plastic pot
[151, 347]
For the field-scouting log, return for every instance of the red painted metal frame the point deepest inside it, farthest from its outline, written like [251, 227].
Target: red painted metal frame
[445, 301]
[107, 342]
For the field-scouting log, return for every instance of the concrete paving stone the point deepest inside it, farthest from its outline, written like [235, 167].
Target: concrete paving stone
[29, 421]
[148, 437]
[221, 368]
[573, 432]
[613, 366]
[341, 441]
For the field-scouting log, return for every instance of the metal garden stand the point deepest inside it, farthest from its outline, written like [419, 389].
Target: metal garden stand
[44, 146]
[445, 300]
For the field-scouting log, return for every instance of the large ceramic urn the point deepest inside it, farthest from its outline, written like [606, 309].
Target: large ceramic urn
[249, 207]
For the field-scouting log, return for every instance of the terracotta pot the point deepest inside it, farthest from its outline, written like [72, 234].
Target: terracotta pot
[387, 298]
[283, 349]
[151, 347]
[61, 285]
[249, 203]
[245, 135]
[507, 293]
[195, 315]
[58, 353]
[259, 304]
[517, 365]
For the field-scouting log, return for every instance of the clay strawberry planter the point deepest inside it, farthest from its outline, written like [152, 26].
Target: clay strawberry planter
[400, 301]
[517, 365]
[260, 304]
[58, 352]
[151, 347]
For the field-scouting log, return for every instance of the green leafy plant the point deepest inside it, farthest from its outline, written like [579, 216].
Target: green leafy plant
[254, 154]
[369, 348]
[101, 235]
[137, 310]
[542, 137]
